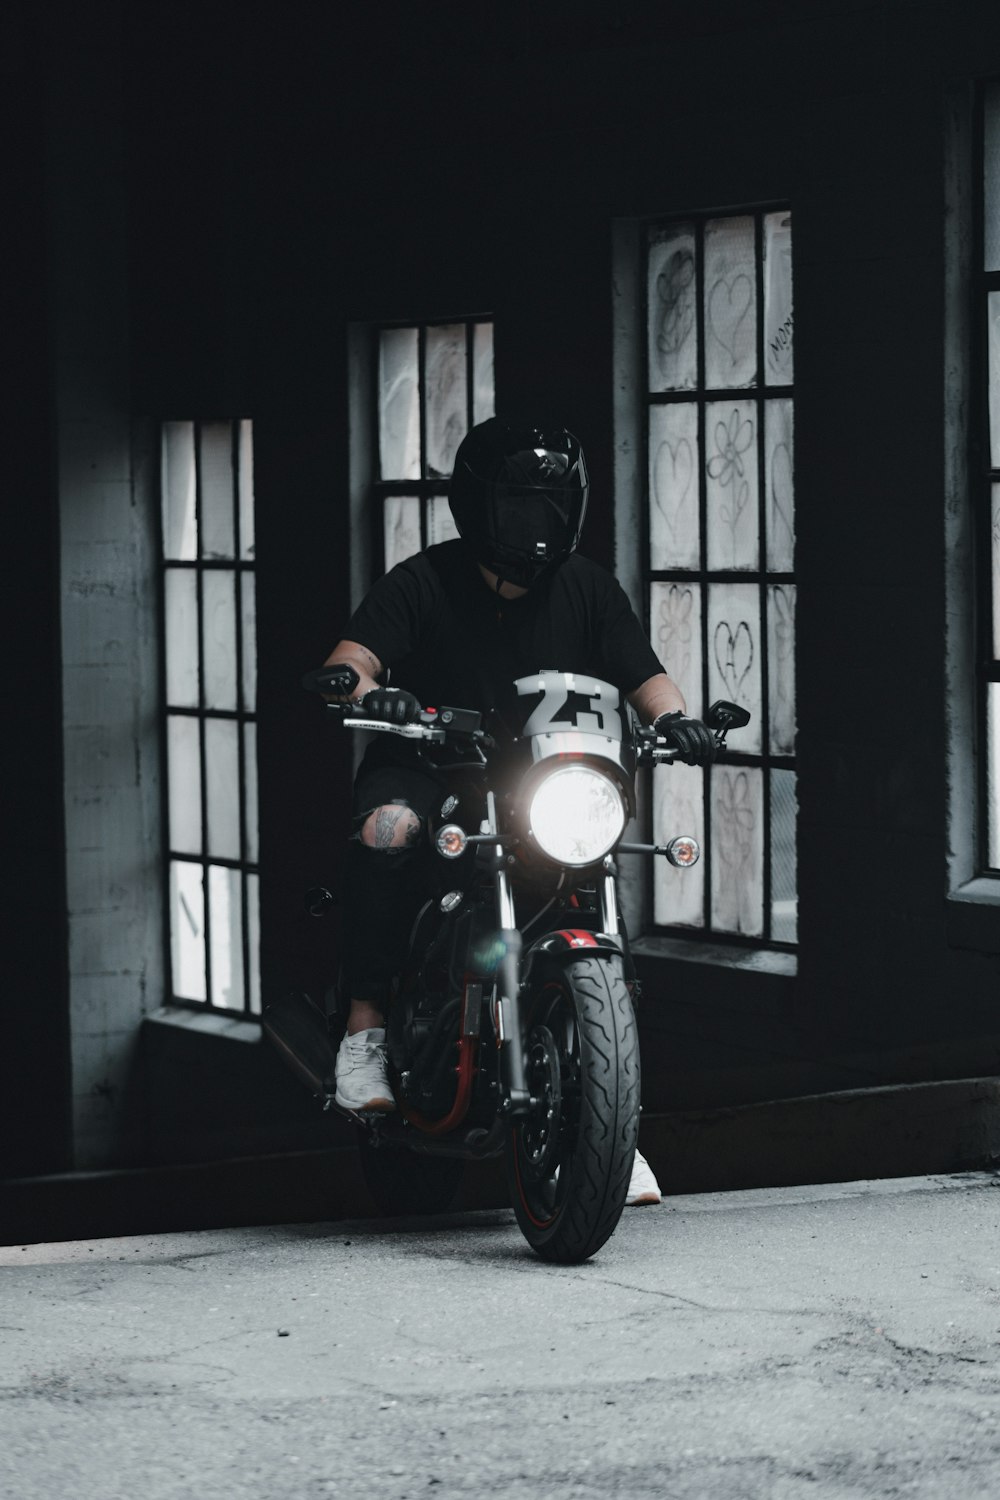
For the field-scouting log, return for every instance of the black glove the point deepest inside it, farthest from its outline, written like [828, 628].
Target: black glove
[394, 705]
[693, 740]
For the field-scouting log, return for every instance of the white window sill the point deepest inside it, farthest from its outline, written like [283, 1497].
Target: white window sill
[208, 1023]
[973, 914]
[753, 960]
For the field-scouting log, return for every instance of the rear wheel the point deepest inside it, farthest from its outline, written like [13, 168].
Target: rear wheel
[569, 1162]
[406, 1182]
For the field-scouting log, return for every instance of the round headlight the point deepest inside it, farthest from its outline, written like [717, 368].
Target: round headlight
[577, 815]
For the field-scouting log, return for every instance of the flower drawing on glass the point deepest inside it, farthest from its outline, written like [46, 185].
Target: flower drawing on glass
[727, 467]
[729, 311]
[735, 820]
[734, 654]
[675, 293]
[674, 630]
[781, 500]
[673, 472]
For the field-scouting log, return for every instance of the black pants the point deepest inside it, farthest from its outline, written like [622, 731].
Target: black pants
[384, 888]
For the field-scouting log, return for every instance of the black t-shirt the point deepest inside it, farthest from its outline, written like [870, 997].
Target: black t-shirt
[449, 639]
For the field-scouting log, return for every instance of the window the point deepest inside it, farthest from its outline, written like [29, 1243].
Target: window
[719, 557]
[986, 475]
[209, 702]
[435, 381]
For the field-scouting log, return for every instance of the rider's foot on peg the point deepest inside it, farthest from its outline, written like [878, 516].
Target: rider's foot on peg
[362, 1079]
[643, 1186]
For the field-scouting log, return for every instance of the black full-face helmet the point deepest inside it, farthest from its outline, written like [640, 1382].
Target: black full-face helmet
[519, 495]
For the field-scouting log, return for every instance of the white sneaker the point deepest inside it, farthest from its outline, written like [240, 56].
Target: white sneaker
[643, 1186]
[362, 1077]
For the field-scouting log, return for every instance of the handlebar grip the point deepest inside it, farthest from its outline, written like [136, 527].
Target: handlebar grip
[340, 679]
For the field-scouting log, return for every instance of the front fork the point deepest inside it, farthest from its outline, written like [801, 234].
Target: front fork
[515, 1096]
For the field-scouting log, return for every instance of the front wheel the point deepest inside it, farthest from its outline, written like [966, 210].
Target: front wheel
[569, 1162]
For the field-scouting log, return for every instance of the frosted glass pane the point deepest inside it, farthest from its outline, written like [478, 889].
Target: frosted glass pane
[398, 404]
[737, 849]
[781, 666]
[734, 655]
[184, 784]
[401, 523]
[675, 634]
[779, 469]
[247, 526]
[671, 296]
[991, 179]
[222, 776]
[784, 898]
[778, 323]
[226, 911]
[993, 771]
[483, 385]
[219, 636]
[446, 393]
[187, 930]
[248, 616]
[678, 807]
[995, 569]
[250, 783]
[440, 521]
[673, 486]
[215, 450]
[730, 303]
[993, 344]
[177, 483]
[181, 607]
[253, 940]
[732, 516]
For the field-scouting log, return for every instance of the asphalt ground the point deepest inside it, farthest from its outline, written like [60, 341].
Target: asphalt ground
[836, 1341]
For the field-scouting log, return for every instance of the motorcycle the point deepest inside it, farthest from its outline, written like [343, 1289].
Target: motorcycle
[512, 1028]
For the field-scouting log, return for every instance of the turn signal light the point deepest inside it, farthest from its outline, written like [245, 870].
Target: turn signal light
[683, 852]
[451, 841]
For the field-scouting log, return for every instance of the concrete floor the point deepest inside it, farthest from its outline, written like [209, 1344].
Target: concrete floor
[826, 1342]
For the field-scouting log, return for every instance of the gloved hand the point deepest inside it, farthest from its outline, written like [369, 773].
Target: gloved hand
[693, 740]
[394, 705]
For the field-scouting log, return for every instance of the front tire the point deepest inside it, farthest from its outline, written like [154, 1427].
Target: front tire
[568, 1164]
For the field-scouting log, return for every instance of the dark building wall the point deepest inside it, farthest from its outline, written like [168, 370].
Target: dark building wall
[305, 168]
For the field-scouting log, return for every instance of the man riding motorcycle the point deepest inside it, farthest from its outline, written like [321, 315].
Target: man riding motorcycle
[459, 623]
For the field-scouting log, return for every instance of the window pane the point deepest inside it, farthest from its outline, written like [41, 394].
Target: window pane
[993, 342]
[180, 532]
[440, 521]
[184, 783]
[445, 386]
[732, 515]
[215, 451]
[678, 807]
[781, 666]
[778, 479]
[401, 523]
[222, 774]
[993, 771]
[778, 324]
[187, 930]
[181, 606]
[398, 408]
[737, 849]
[673, 486]
[248, 608]
[730, 303]
[675, 634]
[734, 655]
[247, 537]
[250, 782]
[219, 632]
[253, 940]
[671, 297]
[225, 906]
[483, 386]
[991, 179]
[784, 904]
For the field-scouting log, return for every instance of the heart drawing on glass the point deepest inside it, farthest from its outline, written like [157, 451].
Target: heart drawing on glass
[729, 304]
[673, 470]
[733, 655]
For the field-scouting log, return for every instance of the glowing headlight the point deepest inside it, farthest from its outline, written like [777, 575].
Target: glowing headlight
[577, 815]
